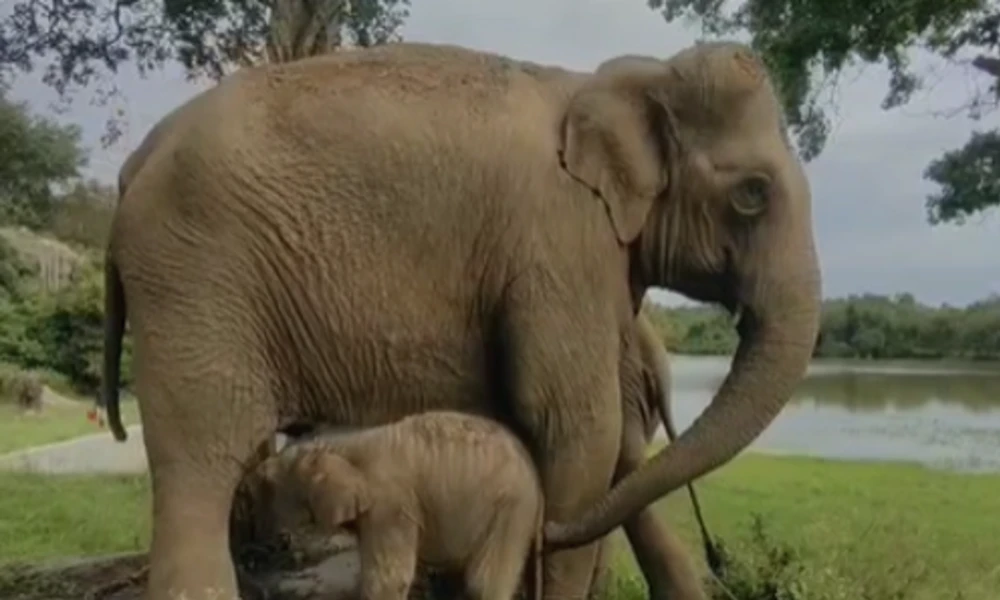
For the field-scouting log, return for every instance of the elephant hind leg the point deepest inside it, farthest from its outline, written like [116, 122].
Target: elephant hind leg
[206, 414]
[603, 573]
[662, 557]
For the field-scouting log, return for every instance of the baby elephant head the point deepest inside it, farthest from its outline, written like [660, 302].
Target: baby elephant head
[316, 489]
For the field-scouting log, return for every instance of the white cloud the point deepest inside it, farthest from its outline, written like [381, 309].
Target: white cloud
[867, 186]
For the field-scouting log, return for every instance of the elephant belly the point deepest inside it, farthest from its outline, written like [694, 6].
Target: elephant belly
[452, 535]
[372, 380]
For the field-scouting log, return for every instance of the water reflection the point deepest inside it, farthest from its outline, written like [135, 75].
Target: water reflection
[877, 392]
[940, 414]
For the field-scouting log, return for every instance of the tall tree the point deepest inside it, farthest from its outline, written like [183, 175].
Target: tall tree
[83, 43]
[36, 156]
[808, 43]
[83, 214]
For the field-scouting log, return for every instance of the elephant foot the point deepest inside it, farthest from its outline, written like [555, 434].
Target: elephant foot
[190, 554]
[663, 559]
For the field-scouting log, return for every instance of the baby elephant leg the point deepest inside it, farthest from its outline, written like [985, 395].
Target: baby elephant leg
[387, 545]
[496, 570]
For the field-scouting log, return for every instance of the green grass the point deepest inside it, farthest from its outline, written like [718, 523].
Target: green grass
[857, 530]
[866, 528]
[57, 422]
[52, 516]
[54, 424]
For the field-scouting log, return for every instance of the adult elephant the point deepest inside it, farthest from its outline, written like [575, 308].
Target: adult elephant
[300, 237]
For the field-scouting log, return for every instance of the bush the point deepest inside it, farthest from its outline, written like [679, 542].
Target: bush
[15, 273]
[766, 569]
[83, 218]
[71, 329]
[20, 342]
[62, 331]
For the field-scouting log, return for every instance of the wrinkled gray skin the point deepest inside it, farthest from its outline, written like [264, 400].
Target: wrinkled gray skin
[451, 490]
[297, 243]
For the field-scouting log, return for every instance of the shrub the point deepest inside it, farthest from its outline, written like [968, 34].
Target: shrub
[767, 569]
[62, 331]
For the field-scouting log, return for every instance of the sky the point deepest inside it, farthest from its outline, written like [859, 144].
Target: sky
[868, 190]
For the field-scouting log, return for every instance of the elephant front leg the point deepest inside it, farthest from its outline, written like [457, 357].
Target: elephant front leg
[194, 473]
[576, 471]
[202, 431]
[387, 544]
[565, 394]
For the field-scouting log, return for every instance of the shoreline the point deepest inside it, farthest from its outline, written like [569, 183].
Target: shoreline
[58, 458]
[889, 463]
[947, 361]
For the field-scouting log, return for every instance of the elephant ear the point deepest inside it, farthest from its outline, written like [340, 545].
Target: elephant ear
[612, 143]
[337, 493]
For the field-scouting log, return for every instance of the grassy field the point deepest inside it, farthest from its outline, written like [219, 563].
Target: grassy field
[63, 420]
[54, 424]
[859, 531]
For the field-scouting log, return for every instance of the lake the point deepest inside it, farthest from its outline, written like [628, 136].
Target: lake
[944, 415]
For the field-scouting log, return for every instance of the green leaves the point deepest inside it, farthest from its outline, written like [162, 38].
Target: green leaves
[62, 330]
[862, 326]
[808, 43]
[35, 154]
[969, 178]
[83, 43]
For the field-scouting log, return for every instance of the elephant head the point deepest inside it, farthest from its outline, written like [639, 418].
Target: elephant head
[701, 185]
[314, 488]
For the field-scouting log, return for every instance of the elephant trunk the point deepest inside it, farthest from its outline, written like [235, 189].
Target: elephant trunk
[777, 334]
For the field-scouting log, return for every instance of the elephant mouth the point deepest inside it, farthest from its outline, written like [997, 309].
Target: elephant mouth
[730, 289]
[720, 288]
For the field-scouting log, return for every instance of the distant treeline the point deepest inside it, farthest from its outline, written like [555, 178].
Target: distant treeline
[865, 326]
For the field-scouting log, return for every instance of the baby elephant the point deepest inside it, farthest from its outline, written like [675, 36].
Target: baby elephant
[453, 490]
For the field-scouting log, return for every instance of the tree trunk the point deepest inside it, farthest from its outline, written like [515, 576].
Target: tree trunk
[303, 28]
[987, 64]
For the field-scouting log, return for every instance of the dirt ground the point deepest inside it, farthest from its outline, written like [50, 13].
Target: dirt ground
[115, 577]
[332, 576]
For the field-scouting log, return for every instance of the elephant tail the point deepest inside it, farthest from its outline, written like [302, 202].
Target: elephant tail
[114, 330]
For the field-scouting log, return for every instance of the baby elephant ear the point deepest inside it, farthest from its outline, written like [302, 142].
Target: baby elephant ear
[338, 493]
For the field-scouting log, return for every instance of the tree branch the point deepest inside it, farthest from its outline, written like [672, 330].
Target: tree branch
[987, 64]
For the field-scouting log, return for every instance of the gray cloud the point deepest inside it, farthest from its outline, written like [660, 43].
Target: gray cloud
[867, 186]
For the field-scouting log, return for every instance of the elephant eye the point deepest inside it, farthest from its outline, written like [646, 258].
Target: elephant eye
[749, 198]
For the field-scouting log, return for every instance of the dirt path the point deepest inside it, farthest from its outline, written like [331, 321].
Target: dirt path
[95, 453]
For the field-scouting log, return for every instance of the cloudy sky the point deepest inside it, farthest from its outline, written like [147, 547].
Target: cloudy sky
[867, 186]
